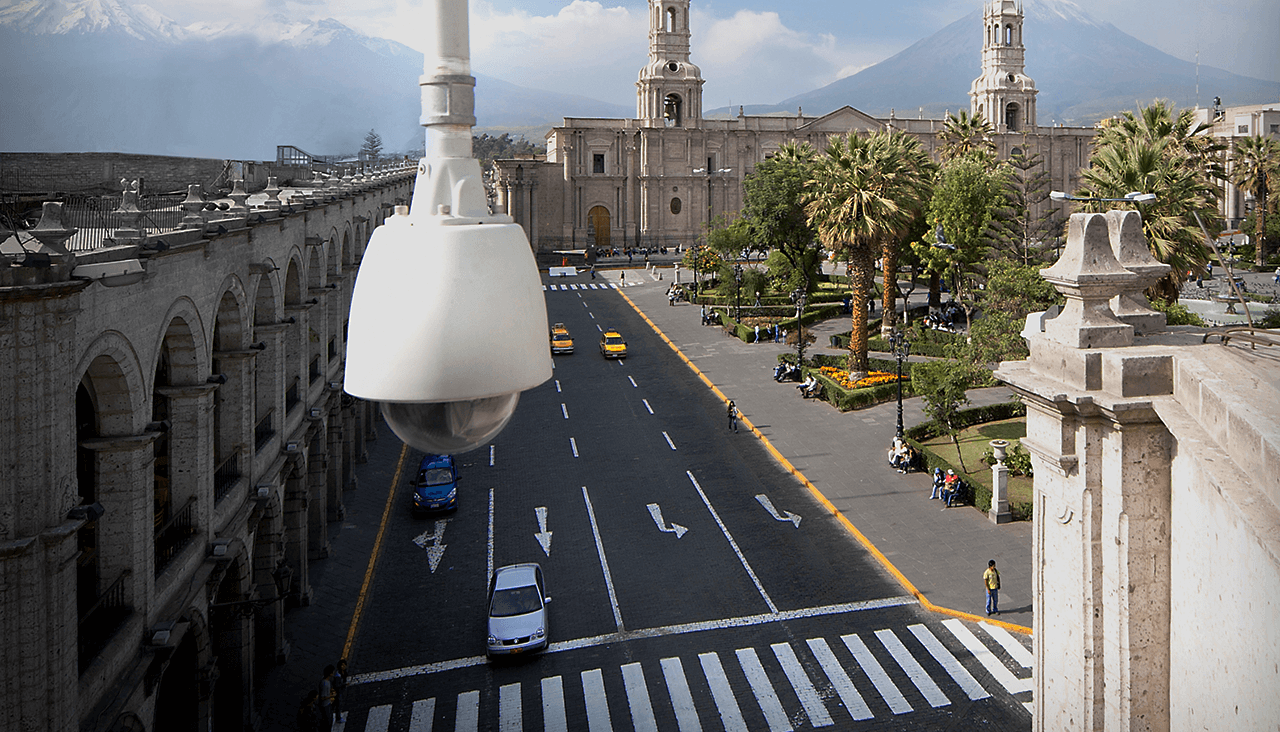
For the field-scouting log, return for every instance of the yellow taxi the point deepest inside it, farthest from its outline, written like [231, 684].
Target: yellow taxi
[612, 345]
[561, 341]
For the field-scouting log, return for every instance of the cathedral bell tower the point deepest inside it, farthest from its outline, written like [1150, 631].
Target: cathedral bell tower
[1004, 95]
[669, 91]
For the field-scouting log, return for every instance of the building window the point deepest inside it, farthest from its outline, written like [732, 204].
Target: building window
[1242, 129]
[1275, 129]
[676, 205]
[597, 163]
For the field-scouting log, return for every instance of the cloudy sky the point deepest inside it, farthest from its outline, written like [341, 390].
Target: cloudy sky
[754, 51]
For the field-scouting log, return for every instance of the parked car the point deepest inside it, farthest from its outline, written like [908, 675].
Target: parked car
[517, 610]
[561, 341]
[435, 487]
[612, 345]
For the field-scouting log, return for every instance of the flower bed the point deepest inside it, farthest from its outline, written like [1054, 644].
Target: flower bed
[841, 377]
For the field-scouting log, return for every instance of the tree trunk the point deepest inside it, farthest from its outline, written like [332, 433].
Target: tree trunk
[956, 441]
[935, 290]
[862, 279]
[1261, 239]
[889, 315]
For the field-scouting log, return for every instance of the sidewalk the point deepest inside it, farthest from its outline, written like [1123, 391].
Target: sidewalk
[942, 552]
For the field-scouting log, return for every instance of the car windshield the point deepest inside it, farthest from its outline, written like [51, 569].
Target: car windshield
[562, 336]
[435, 476]
[515, 601]
[614, 340]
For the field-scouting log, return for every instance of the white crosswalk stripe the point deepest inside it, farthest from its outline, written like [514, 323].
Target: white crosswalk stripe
[813, 699]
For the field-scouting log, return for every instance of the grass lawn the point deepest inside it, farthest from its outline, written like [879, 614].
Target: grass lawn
[973, 443]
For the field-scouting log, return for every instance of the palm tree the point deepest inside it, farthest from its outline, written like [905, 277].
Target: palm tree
[917, 173]
[1257, 159]
[964, 135]
[863, 192]
[1158, 152]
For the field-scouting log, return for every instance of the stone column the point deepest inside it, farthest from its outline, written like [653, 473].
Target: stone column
[191, 450]
[296, 534]
[315, 444]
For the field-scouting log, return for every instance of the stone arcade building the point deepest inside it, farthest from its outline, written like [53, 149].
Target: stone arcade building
[656, 180]
[173, 448]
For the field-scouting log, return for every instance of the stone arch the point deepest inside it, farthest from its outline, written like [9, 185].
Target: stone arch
[229, 331]
[1008, 34]
[1011, 116]
[266, 306]
[184, 339]
[671, 19]
[673, 110]
[293, 283]
[333, 255]
[599, 220]
[315, 269]
[112, 372]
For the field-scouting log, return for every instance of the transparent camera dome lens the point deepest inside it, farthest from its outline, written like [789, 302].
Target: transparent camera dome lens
[450, 428]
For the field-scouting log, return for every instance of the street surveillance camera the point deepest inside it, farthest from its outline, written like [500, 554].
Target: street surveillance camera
[448, 318]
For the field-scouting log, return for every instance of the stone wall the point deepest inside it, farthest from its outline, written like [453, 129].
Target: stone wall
[35, 173]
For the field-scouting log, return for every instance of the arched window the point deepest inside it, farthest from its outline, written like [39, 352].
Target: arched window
[1008, 35]
[671, 20]
[1011, 117]
[672, 110]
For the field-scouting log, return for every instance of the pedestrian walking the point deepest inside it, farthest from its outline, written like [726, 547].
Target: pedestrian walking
[757, 340]
[1276, 279]
[339, 687]
[733, 416]
[325, 702]
[991, 580]
[622, 278]
[593, 271]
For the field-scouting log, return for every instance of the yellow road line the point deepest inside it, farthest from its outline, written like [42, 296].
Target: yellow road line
[373, 557]
[786, 464]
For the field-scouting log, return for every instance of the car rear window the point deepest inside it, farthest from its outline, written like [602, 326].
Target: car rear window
[515, 601]
[435, 476]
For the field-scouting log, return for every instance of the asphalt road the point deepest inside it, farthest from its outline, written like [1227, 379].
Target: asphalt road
[695, 584]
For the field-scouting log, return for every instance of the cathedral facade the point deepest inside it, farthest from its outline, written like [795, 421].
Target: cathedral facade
[658, 179]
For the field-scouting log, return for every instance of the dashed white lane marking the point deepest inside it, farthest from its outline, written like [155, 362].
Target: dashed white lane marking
[574, 444]
[557, 386]
[599, 328]
[510, 717]
[638, 699]
[763, 689]
[681, 698]
[604, 563]
[468, 712]
[553, 716]
[809, 699]
[888, 691]
[564, 410]
[988, 659]
[597, 705]
[646, 405]
[1015, 649]
[948, 662]
[424, 714]
[669, 442]
[593, 315]
[491, 455]
[725, 530]
[722, 693]
[633, 382]
[490, 548]
[840, 680]
[379, 718]
[913, 669]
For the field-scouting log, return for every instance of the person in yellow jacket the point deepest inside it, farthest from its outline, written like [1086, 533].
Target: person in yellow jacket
[991, 580]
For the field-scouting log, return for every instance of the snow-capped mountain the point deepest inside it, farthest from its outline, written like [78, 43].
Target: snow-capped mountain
[80, 17]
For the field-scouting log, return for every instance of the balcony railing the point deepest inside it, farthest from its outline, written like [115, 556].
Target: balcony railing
[174, 535]
[225, 477]
[96, 217]
[264, 431]
[100, 621]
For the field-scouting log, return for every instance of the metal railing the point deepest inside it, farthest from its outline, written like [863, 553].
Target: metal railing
[99, 622]
[264, 431]
[225, 477]
[174, 534]
[96, 217]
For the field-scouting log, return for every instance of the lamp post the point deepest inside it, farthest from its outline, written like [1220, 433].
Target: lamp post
[901, 349]
[800, 297]
[737, 293]
[906, 293]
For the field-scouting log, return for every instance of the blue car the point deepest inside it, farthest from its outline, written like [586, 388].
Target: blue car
[435, 488]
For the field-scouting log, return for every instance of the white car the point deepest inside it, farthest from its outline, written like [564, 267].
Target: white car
[517, 610]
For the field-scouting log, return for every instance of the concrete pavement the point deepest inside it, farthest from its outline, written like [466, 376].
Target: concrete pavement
[942, 553]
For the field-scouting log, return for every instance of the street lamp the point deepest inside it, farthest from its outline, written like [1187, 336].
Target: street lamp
[737, 295]
[906, 294]
[901, 349]
[800, 297]
[1131, 197]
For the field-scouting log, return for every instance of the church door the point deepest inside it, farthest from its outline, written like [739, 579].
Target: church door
[599, 218]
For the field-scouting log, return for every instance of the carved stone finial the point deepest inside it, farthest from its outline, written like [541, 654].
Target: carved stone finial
[54, 230]
[129, 216]
[193, 205]
[238, 197]
[1089, 276]
[1129, 245]
[273, 193]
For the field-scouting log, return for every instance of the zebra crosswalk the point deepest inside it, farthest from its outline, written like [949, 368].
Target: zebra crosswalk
[587, 286]
[786, 686]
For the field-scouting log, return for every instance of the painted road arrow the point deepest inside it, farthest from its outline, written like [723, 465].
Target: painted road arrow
[784, 516]
[433, 537]
[543, 536]
[656, 512]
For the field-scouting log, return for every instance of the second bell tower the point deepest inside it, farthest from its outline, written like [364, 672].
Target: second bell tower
[1004, 95]
[669, 91]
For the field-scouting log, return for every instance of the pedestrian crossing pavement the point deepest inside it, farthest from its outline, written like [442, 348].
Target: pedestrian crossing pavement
[880, 677]
[588, 286]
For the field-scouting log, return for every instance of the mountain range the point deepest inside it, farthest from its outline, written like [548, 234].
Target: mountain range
[110, 75]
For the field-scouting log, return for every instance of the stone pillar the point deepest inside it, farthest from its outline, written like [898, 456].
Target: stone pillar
[336, 510]
[296, 534]
[999, 511]
[191, 450]
[317, 494]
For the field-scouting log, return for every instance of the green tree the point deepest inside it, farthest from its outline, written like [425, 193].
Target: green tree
[1158, 151]
[371, 149]
[864, 190]
[702, 260]
[1012, 291]
[965, 136]
[942, 387]
[488, 148]
[728, 239]
[1025, 227]
[773, 209]
[918, 172]
[1256, 162]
